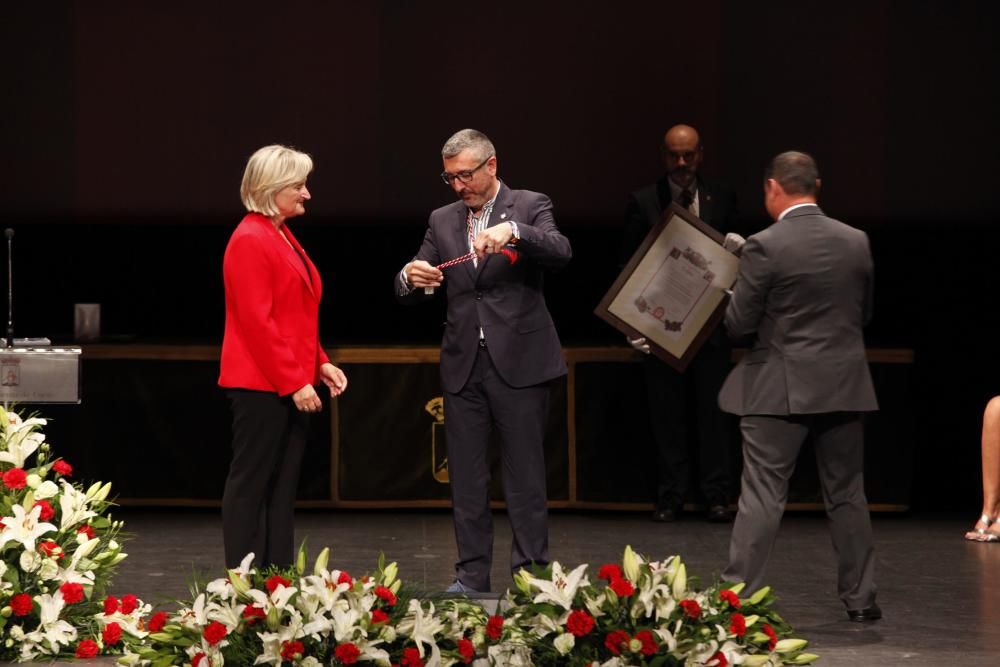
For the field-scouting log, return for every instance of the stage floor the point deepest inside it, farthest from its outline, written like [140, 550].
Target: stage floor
[939, 593]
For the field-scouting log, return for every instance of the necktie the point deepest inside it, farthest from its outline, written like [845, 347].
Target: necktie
[685, 199]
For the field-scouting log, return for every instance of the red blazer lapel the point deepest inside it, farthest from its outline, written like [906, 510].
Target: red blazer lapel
[312, 278]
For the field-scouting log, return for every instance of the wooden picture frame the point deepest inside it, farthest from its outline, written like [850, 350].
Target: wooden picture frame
[674, 290]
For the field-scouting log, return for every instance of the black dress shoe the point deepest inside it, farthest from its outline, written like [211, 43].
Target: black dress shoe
[872, 613]
[719, 514]
[666, 514]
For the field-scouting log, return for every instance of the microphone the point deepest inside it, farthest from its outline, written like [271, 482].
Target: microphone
[9, 233]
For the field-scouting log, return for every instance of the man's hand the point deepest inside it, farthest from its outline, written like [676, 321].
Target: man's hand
[492, 239]
[333, 378]
[733, 243]
[421, 274]
[639, 344]
[307, 400]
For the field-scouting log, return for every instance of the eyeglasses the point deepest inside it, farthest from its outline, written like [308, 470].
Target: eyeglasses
[464, 176]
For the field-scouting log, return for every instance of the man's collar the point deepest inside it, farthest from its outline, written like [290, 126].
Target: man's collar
[793, 207]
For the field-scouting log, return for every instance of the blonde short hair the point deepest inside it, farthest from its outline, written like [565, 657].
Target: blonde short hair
[269, 170]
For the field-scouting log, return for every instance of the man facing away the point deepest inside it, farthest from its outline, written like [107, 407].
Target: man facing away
[803, 294]
[500, 351]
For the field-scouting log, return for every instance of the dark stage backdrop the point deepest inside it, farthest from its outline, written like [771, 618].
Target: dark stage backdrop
[125, 128]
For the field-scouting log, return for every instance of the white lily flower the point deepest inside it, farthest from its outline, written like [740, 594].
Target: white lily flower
[562, 589]
[24, 527]
[22, 441]
[422, 627]
[345, 624]
[227, 613]
[74, 507]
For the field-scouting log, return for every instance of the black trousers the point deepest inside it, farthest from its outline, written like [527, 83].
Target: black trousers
[258, 506]
[673, 397]
[520, 415]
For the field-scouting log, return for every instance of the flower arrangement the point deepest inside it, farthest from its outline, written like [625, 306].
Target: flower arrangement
[642, 614]
[58, 551]
[327, 617]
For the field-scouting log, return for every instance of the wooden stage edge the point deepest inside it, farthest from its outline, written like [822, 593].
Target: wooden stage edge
[881, 508]
[407, 355]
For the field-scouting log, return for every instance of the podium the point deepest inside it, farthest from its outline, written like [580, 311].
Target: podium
[46, 374]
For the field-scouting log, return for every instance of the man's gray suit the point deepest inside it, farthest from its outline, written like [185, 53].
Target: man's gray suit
[804, 292]
[502, 383]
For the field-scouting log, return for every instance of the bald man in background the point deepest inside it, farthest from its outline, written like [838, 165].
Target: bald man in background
[677, 399]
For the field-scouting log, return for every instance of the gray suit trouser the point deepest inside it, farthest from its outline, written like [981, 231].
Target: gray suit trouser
[520, 415]
[771, 446]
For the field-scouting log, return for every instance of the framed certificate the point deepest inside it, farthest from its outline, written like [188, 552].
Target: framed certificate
[672, 290]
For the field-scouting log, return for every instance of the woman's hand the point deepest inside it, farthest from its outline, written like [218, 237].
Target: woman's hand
[333, 378]
[307, 400]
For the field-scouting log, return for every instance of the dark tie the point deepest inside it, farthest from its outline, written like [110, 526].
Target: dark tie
[685, 198]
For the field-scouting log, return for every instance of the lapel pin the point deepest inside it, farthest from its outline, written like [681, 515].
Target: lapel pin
[503, 215]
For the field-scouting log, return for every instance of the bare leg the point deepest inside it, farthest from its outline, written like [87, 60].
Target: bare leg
[991, 468]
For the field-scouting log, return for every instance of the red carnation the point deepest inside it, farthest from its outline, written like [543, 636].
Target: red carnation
[252, 613]
[274, 581]
[129, 603]
[345, 578]
[648, 643]
[609, 572]
[86, 649]
[616, 641]
[494, 627]
[411, 658]
[388, 596]
[72, 593]
[691, 608]
[289, 650]
[214, 633]
[731, 598]
[738, 625]
[15, 479]
[622, 587]
[769, 631]
[111, 634]
[158, 620]
[50, 549]
[198, 657]
[110, 605]
[466, 650]
[579, 623]
[47, 511]
[63, 468]
[379, 616]
[86, 530]
[21, 604]
[720, 660]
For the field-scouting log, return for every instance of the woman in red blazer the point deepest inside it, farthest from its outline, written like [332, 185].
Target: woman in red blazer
[271, 358]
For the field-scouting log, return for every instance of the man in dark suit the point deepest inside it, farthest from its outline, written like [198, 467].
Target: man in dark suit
[500, 350]
[674, 396]
[804, 292]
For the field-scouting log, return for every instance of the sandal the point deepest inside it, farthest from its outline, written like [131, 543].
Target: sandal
[982, 532]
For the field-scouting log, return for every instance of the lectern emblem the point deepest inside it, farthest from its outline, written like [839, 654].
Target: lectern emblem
[439, 454]
[10, 373]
